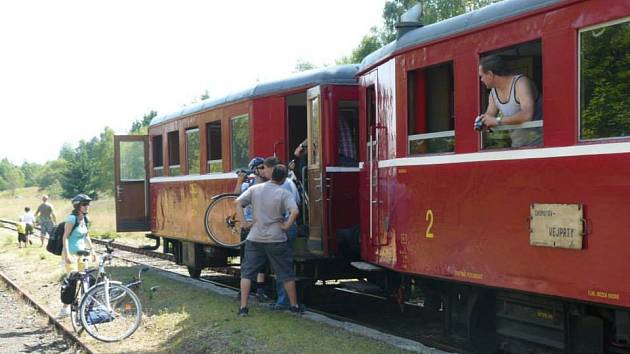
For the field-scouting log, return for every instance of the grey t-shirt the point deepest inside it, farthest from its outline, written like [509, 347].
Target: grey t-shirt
[45, 210]
[270, 202]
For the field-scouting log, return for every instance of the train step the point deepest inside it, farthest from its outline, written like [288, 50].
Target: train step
[367, 267]
[363, 288]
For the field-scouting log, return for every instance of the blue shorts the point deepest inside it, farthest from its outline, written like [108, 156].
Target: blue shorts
[279, 254]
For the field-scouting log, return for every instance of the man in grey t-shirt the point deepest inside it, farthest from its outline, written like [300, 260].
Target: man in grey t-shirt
[47, 219]
[267, 236]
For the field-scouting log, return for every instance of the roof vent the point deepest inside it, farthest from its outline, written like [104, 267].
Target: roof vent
[410, 20]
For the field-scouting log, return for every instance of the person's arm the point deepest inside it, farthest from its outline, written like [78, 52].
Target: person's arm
[240, 202]
[292, 207]
[293, 214]
[53, 217]
[239, 182]
[240, 214]
[524, 95]
[300, 149]
[490, 117]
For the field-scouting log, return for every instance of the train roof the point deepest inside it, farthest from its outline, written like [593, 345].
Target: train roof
[335, 75]
[459, 24]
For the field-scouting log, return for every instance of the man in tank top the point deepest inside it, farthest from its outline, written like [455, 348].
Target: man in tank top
[514, 99]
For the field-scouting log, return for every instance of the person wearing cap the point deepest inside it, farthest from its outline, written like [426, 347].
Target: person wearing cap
[75, 239]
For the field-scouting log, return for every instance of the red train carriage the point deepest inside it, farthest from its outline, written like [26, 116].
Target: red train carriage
[190, 156]
[526, 248]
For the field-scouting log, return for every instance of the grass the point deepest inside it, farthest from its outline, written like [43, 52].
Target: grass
[181, 318]
[102, 212]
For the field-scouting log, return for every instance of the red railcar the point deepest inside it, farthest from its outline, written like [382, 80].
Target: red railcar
[521, 249]
[527, 246]
[190, 156]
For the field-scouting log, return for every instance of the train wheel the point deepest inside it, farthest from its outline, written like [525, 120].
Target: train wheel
[221, 222]
[194, 272]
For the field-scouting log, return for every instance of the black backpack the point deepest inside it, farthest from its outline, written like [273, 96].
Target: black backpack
[55, 239]
[69, 288]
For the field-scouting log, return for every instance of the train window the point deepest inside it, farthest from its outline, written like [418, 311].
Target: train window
[158, 161]
[605, 81]
[215, 160]
[132, 161]
[173, 153]
[315, 136]
[513, 62]
[370, 98]
[240, 141]
[192, 151]
[430, 119]
[348, 129]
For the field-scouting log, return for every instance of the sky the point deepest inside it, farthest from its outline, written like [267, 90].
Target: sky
[70, 68]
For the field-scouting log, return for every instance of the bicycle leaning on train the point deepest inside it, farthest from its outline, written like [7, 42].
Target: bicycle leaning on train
[106, 309]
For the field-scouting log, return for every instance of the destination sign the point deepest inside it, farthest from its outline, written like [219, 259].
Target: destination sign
[556, 225]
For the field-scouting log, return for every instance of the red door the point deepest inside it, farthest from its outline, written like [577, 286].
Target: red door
[131, 156]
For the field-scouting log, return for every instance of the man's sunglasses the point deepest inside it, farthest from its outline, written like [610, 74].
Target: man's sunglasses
[85, 203]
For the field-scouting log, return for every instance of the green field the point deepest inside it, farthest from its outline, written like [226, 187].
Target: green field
[102, 212]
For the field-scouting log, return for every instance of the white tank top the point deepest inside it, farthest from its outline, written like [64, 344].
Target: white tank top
[520, 137]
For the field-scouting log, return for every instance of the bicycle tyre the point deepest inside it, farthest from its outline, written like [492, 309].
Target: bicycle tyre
[113, 326]
[221, 223]
[75, 319]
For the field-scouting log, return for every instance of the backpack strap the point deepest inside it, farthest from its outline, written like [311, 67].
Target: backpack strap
[76, 224]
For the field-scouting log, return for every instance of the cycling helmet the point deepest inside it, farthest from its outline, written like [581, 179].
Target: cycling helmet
[80, 198]
[255, 162]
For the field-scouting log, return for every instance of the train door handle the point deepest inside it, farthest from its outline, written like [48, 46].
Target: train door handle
[119, 190]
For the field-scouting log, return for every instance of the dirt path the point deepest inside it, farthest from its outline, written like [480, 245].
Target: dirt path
[24, 330]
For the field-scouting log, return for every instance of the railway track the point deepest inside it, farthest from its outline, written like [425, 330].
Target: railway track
[227, 278]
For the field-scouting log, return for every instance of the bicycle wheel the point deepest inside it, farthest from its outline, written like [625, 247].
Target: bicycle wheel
[74, 308]
[221, 222]
[113, 317]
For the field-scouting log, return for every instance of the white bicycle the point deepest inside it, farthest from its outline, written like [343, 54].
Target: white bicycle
[106, 309]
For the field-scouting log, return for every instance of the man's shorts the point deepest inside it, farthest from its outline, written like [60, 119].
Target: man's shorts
[47, 227]
[279, 254]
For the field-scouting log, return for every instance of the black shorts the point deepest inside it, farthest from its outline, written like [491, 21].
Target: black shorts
[279, 254]
[22, 237]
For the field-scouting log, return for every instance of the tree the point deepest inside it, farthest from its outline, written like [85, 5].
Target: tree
[30, 171]
[50, 175]
[432, 11]
[11, 176]
[102, 151]
[303, 65]
[79, 175]
[369, 44]
[141, 126]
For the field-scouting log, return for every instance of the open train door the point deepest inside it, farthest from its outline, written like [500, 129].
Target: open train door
[131, 156]
[314, 173]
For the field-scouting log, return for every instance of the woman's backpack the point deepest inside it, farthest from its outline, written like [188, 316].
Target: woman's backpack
[69, 288]
[55, 239]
